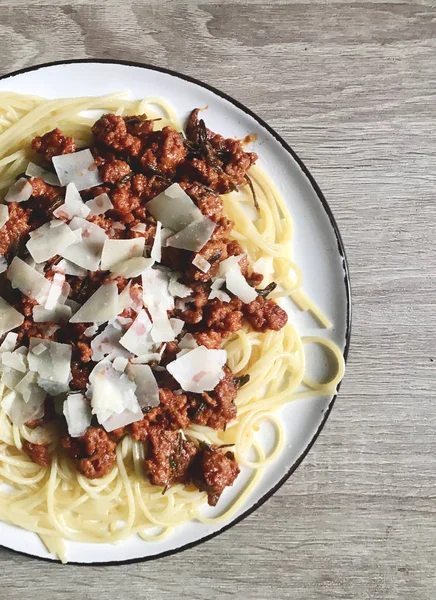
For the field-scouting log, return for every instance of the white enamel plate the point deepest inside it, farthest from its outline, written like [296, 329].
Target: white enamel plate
[318, 252]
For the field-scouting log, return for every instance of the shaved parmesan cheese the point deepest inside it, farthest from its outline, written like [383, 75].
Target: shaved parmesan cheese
[11, 377]
[38, 349]
[147, 391]
[188, 341]
[156, 251]
[37, 171]
[149, 357]
[20, 191]
[118, 225]
[15, 360]
[21, 412]
[9, 342]
[193, 237]
[77, 413]
[49, 240]
[78, 168]
[99, 205]
[178, 289]
[90, 331]
[124, 299]
[113, 397]
[60, 312]
[161, 330]
[217, 292]
[69, 268]
[52, 365]
[4, 214]
[120, 363]
[29, 389]
[118, 251]
[177, 326]
[87, 251]
[133, 267]
[174, 208]
[55, 291]
[237, 284]
[199, 370]
[73, 205]
[9, 317]
[139, 228]
[229, 263]
[155, 289]
[137, 339]
[201, 263]
[73, 305]
[31, 283]
[100, 307]
[105, 343]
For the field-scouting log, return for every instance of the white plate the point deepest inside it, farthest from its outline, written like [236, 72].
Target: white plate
[318, 249]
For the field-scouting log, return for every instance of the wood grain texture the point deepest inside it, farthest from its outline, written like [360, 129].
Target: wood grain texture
[352, 87]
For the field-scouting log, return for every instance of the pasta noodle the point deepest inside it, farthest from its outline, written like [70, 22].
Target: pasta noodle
[57, 502]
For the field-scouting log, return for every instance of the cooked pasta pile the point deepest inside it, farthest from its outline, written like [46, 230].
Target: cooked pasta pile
[57, 502]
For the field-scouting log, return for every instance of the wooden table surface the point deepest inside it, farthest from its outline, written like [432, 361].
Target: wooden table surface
[352, 87]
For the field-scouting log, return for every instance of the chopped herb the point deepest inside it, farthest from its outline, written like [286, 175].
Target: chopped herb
[253, 193]
[215, 256]
[200, 408]
[241, 380]
[173, 462]
[266, 291]
[126, 178]
[150, 169]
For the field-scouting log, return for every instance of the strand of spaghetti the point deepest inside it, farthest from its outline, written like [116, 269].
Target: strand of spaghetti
[333, 382]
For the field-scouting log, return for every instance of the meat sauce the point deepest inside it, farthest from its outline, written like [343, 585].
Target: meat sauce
[136, 163]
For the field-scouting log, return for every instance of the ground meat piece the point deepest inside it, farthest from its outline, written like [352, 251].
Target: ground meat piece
[213, 471]
[199, 299]
[265, 314]
[15, 230]
[223, 229]
[255, 279]
[125, 201]
[38, 453]
[223, 316]
[111, 131]
[148, 187]
[117, 434]
[114, 171]
[207, 201]
[217, 409]
[163, 150]
[94, 452]
[219, 163]
[169, 457]
[53, 143]
[46, 194]
[211, 339]
[139, 125]
[172, 413]
[85, 351]
[80, 375]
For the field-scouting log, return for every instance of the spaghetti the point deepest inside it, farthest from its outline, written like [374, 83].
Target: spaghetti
[58, 502]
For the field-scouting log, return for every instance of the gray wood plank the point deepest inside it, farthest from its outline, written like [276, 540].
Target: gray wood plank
[351, 85]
